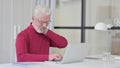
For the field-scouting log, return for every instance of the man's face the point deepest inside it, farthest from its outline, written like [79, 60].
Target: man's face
[42, 21]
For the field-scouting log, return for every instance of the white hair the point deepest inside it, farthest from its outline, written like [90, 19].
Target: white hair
[41, 9]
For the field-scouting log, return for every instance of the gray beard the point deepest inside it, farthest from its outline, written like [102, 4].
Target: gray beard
[39, 30]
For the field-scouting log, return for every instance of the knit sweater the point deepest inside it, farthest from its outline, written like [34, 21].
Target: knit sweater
[32, 46]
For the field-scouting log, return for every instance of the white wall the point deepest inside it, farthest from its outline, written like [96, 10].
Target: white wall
[0, 27]
[115, 13]
[13, 13]
[5, 31]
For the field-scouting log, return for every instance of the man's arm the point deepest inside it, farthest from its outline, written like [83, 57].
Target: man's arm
[23, 55]
[56, 40]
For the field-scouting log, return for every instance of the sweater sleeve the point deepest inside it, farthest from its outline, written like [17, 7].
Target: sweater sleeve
[56, 40]
[22, 51]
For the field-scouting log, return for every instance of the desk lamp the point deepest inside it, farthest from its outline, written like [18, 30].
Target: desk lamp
[103, 27]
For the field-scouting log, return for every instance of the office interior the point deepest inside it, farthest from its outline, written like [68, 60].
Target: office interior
[15, 15]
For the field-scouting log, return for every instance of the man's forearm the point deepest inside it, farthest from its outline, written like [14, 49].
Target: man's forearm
[32, 57]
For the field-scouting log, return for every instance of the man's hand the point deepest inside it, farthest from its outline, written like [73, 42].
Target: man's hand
[55, 57]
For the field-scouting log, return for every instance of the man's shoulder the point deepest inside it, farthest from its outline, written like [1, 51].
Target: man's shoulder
[23, 32]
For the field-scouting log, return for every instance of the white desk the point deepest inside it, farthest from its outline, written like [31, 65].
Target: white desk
[85, 64]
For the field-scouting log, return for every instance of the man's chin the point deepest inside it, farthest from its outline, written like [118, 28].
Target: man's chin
[39, 31]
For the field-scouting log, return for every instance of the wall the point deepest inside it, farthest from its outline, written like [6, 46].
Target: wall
[15, 15]
[5, 37]
[115, 13]
[0, 28]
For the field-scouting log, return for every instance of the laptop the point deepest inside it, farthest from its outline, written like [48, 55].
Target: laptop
[74, 53]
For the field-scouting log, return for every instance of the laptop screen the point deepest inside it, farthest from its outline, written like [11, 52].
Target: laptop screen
[75, 53]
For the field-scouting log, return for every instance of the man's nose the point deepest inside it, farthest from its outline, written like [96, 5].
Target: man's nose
[45, 24]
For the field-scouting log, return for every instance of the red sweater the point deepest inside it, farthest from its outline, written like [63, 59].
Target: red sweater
[34, 47]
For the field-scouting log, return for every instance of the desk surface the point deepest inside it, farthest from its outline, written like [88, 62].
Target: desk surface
[85, 64]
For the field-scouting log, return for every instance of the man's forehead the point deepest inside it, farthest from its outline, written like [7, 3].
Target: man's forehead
[43, 16]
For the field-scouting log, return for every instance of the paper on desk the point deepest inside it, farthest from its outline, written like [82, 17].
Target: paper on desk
[10, 65]
[46, 64]
[28, 64]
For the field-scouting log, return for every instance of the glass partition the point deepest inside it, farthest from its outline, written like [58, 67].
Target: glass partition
[68, 13]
